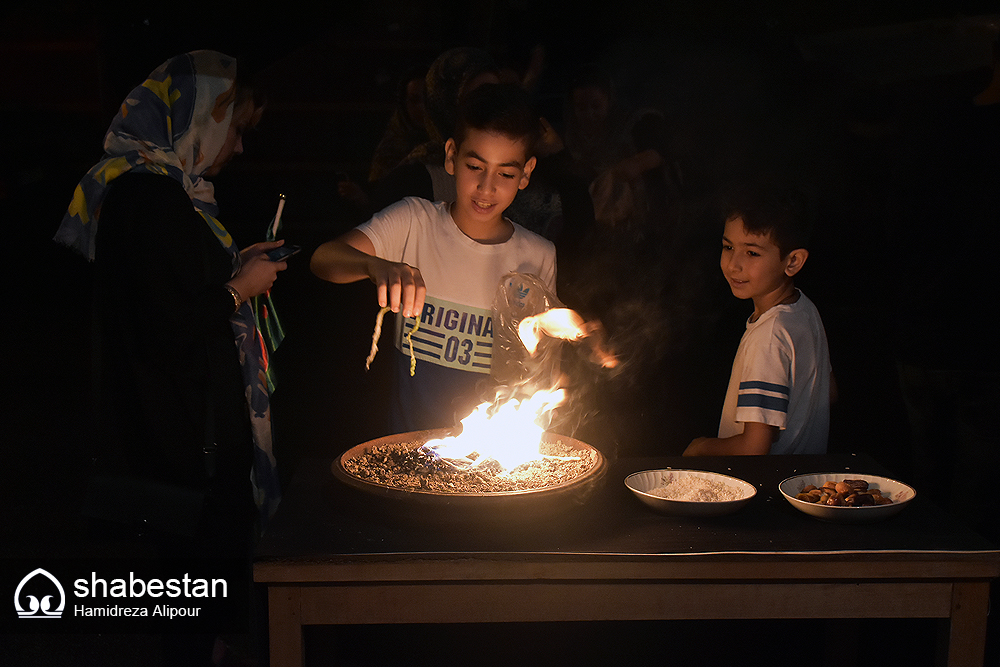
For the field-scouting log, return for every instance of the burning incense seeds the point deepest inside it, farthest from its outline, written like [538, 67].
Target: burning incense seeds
[407, 466]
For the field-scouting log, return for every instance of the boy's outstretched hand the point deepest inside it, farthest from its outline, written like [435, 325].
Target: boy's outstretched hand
[351, 257]
[400, 286]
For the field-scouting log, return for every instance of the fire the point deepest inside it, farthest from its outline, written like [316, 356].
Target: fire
[556, 322]
[510, 432]
[568, 325]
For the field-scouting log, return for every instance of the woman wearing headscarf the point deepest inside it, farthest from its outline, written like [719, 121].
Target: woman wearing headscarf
[182, 393]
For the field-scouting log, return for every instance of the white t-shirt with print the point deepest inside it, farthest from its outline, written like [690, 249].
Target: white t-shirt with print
[462, 277]
[781, 377]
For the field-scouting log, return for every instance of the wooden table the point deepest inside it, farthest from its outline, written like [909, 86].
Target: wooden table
[332, 556]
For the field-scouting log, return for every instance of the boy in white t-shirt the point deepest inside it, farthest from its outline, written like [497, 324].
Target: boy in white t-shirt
[780, 389]
[443, 261]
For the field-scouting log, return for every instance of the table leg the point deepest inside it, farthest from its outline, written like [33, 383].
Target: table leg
[285, 626]
[967, 633]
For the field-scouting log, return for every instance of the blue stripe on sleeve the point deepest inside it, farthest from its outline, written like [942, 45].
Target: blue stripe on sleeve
[764, 386]
[762, 401]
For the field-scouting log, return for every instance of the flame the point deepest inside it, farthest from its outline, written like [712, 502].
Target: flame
[556, 322]
[510, 432]
[568, 325]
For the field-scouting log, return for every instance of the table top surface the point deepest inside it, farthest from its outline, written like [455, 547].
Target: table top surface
[321, 518]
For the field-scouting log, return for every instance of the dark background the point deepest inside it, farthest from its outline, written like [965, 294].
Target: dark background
[836, 93]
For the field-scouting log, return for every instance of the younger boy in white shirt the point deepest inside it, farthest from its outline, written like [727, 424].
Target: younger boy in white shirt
[779, 395]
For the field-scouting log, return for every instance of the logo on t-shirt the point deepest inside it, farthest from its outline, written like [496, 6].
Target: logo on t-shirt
[450, 334]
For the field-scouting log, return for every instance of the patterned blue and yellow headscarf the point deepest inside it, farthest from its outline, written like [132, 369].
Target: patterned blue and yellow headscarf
[175, 124]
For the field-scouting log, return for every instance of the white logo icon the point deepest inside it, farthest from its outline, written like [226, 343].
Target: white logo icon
[39, 608]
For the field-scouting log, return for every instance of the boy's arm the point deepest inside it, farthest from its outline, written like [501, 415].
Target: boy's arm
[755, 439]
[351, 257]
[345, 259]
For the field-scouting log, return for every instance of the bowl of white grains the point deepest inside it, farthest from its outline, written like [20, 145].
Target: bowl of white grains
[690, 492]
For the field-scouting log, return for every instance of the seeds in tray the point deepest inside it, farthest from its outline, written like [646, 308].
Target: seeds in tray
[845, 493]
[408, 467]
[696, 489]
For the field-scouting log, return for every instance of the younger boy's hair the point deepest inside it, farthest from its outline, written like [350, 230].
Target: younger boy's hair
[771, 209]
[501, 108]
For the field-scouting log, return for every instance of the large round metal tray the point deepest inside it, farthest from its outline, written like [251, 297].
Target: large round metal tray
[507, 506]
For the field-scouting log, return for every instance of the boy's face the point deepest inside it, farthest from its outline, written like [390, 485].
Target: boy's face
[489, 169]
[591, 105]
[753, 264]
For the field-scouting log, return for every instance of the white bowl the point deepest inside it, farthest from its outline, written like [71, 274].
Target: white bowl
[642, 483]
[900, 494]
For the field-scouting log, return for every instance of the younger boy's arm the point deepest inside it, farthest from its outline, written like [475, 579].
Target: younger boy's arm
[756, 438]
[351, 257]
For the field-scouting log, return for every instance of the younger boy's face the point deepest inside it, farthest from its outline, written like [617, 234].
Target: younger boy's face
[489, 169]
[753, 265]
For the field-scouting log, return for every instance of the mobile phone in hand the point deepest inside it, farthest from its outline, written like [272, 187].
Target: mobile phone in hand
[282, 253]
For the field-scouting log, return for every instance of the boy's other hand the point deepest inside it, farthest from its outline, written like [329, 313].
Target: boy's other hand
[755, 439]
[694, 448]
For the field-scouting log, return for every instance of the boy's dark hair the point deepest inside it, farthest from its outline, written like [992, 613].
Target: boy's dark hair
[770, 209]
[501, 108]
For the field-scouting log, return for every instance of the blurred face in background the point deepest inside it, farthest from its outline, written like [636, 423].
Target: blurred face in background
[415, 101]
[590, 106]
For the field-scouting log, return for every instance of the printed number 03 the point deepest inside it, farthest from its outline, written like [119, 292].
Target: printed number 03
[451, 350]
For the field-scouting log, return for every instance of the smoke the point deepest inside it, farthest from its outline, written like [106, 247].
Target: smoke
[657, 296]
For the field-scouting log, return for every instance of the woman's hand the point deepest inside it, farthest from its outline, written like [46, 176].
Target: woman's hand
[257, 273]
[259, 249]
